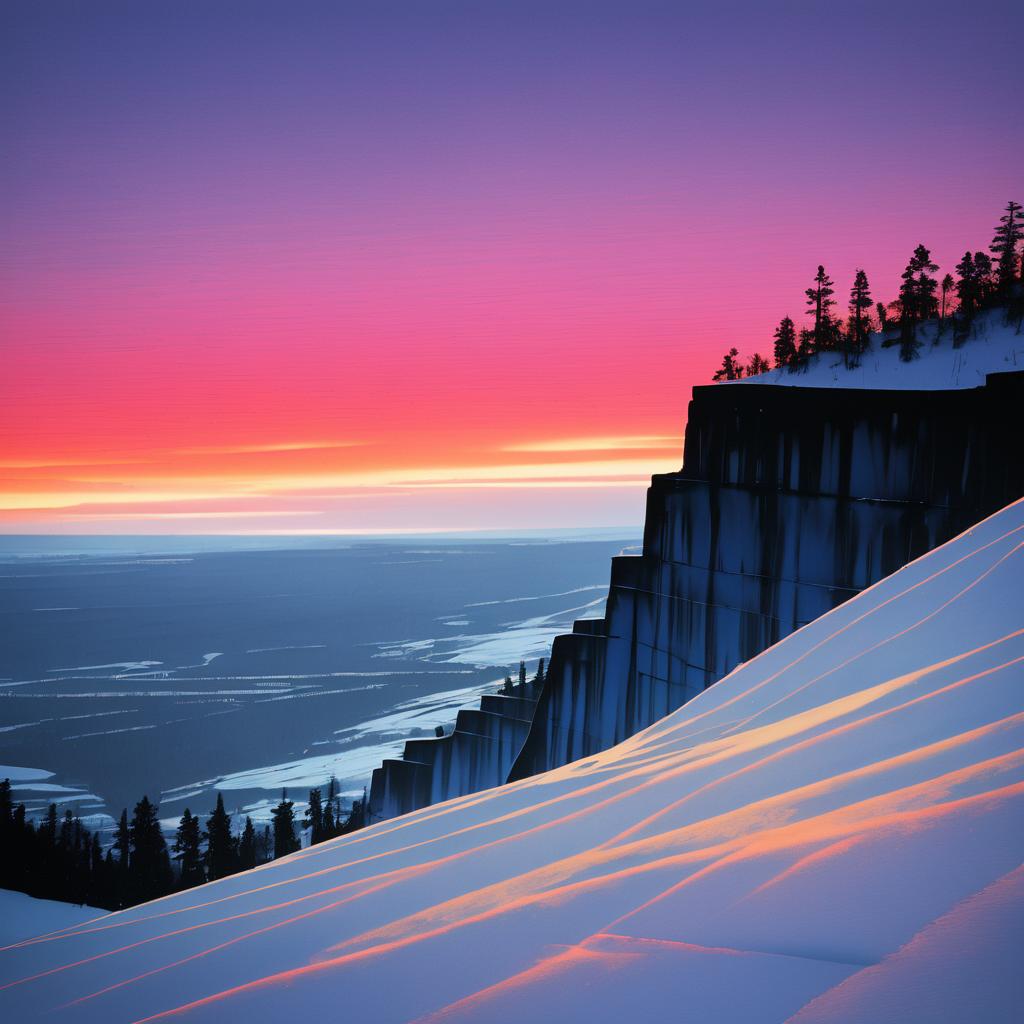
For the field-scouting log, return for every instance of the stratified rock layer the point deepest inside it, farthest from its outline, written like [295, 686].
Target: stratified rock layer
[477, 754]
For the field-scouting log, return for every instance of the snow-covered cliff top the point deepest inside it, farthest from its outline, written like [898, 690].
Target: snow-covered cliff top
[993, 347]
[831, 833]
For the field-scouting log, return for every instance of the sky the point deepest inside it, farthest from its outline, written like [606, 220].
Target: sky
[388, 267]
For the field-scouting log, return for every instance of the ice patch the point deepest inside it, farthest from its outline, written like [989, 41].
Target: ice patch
[527, 640]
[286, 647]
[99, 714]
[43, 793]
[109, 732]
[361, 748]
[124, 666]
[46, 787]
[164, 799]
[16, 774]
[540, 597]
[299, 692]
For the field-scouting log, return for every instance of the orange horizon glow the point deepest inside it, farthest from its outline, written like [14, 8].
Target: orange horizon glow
[302, 487]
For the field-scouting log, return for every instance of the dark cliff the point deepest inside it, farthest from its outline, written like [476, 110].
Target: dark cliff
[790, 500]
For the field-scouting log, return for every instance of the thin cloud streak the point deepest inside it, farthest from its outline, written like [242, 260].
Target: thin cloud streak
[256, 449]
[233, 514]
[598, 444]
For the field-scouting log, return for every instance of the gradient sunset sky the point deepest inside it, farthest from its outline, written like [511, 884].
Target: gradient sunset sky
[380, 266]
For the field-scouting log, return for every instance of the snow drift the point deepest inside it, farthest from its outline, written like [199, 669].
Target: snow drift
[24, 917]
[834, 832]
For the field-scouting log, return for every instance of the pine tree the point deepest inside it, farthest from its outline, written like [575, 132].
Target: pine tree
[9, 842]
[967, 291]
[21, 853]
[805, 347]
[188, 852]
[785, 344]
[264, 845]
[538, 679]
[522, 675]
[48, 829]
[985, 277]
[882, 312]
[860, 322]
[99, 894]
[820, 303]
[356, 817]
[149, 866]
[110, 869]
[336, 802]
[947, 289]
[757, 365]
[927, 286]
[331, 823]
[917, 301]
[65, 861]
[6, 808]
[731, 368]
[1008, 236]
[123, 845]
[284, 827]
[247, 847]
[81, 874]
[314, 819]
[220, 844]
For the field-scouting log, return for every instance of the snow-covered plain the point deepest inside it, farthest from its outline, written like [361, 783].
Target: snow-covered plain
[994, 346]
[23, 917]
[834, 832]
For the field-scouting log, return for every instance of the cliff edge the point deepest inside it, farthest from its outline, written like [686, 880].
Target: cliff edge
[797, 491]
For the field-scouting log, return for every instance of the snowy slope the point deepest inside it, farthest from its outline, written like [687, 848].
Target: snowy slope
[832, 833]
[993, 347]
[23, 917]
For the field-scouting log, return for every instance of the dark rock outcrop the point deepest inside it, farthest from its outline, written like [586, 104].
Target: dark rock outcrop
[790, 501]
[476, 755]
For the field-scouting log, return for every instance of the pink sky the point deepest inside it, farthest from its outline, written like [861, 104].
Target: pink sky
[265, 272]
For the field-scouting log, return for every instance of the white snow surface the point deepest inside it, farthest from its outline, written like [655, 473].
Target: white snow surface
[992, 347]
[24, 917]
[833, 833]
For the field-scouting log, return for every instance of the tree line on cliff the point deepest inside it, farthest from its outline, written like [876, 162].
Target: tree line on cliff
[984, 280]
[58, 858]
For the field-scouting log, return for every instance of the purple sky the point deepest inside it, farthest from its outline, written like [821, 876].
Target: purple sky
[427, 237]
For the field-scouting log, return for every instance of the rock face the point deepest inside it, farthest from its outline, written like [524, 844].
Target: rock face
[477, 754]
[789, 502]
